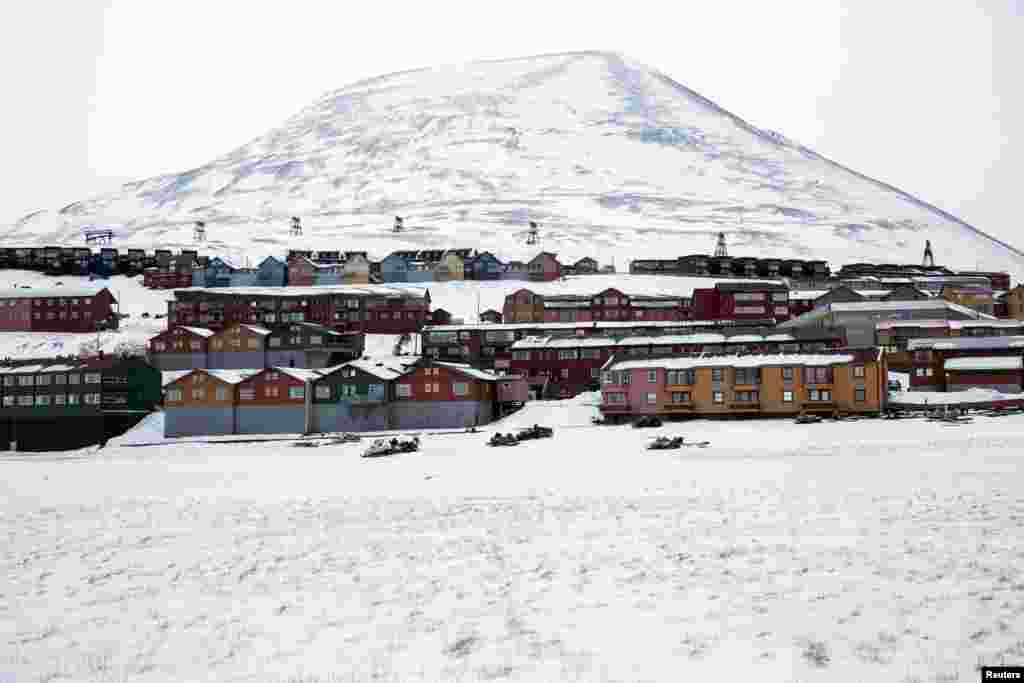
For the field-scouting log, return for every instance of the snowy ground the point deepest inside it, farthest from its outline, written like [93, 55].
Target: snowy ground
[854, 551]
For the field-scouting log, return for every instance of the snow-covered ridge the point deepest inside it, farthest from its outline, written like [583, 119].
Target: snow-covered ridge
[614, 159]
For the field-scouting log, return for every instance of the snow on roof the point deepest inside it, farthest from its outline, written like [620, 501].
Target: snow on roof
[258, 330]
[232, 376]
[301, 374]
[50, 292]
[954, 343]
[961, 324]
[779, 338]
[471, 371]
[597, 325]
[365, 290]
[985, 363]
[25, 369]
[807, 294]
[655, 340]
[171, 376]
[887, 324]
[746, 338]
[386, 370]
[199, 331]
[733, 361]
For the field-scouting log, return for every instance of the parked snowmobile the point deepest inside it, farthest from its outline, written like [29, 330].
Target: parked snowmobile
[499, 439]
[535, 432]
[807, 419]
[648, 421]
[664, 443]
[346, 437]
[379, 448]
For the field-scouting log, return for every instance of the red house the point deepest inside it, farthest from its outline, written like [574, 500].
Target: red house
[300, 271]
[742, 301]
[544, 267]
[57, 309]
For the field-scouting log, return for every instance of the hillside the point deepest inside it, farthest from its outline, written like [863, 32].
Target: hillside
[614, 159]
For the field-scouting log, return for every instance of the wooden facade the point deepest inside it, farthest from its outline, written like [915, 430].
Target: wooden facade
[57, 309]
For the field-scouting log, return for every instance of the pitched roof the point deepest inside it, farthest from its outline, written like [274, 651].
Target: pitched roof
[301, 374]
[470, 371]
[198, 331]
[227, 376]
[49, 292]
[985, 363]
[962, 343]
[386, 369]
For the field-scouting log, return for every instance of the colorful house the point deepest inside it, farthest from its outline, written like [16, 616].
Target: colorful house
[203, 402]
[57, 309]
[445, 395]
[356, 396]
[180, 348]
[544, 267]
[271, 272]
[276, 401]
[483, 266]
[752, 386]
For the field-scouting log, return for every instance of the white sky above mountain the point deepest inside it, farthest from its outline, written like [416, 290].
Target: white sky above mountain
[922, 95]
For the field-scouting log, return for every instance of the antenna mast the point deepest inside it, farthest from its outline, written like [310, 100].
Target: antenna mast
[720, 250]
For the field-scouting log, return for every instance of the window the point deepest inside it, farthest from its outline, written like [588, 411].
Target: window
[565, 373]
[73, 399]
[246, 394]
[273, 376]
[747, 376]
[222, 393]
[858, 370]
[680, 396]
[92, 399]
[460, 388]
[787, 396]
[196, 346]
[348, 390]
[253, 343]
[198, 393]
[520, 355]
[8, 401]
[216, 344]
[747, 396]
[24, 400]
[323, 391]
[567, 354]
[651, 399]
[172, 395]
[59, 399]
[403, 390]
[859, 395]
[822, 375]
[92, 378]
[718, 397]
[159, 346]
[270, 391]
[615, 397]
[275, 341]
[652, 376]
[590, 354]
[716, 376]
[316, 339]
[73, 379]
[787, 374]
[749, 310]
[88, 302]
[296, 392]
[819, 395]
[8, 381]
[748, 296]
[42, 400]
[928, 372]
[26, 380]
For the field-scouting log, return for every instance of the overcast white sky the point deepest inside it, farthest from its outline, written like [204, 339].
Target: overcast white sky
[925, 95]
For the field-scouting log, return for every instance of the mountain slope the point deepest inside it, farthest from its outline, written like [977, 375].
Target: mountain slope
[612, 158]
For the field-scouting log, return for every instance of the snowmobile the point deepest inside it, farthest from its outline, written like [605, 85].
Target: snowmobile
[408, 445]
[534, 432]
[647, 421]
[807, 419]
[306, 444]
[664, 443]
[346, 437]
[380, 448]
[500, 439]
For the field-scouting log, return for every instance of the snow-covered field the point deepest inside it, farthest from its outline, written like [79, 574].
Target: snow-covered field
[853, 551]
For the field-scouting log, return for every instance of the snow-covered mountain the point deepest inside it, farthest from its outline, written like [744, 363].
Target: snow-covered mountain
[612, 158]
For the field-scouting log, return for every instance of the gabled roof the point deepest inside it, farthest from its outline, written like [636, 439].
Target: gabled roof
[198, 331]
[758, 361]
[49, 292]
[301, 374]
[226, 376]
[470, 371]
[386, 369]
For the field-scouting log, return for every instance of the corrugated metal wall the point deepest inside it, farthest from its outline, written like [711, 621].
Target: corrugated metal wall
[178, 361]
[441, 414]
[236, 360]
[286, 358]
[349, 417]
[271, 419]
[196, 421]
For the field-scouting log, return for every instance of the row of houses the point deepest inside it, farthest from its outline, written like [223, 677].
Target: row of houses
[357, 396]
[703, 265]
[465, 264]
[745, 386]
[86, 261]
[489, 344]
[68, 402]
[376, 309]
[239, 346]
[57, 309]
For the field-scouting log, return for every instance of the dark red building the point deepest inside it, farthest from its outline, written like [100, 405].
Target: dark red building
[57, 309]
[374, 309]
[741, 301]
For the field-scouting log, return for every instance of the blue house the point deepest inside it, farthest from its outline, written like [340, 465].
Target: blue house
[395, 266]
[271, 272]
[484, 266]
